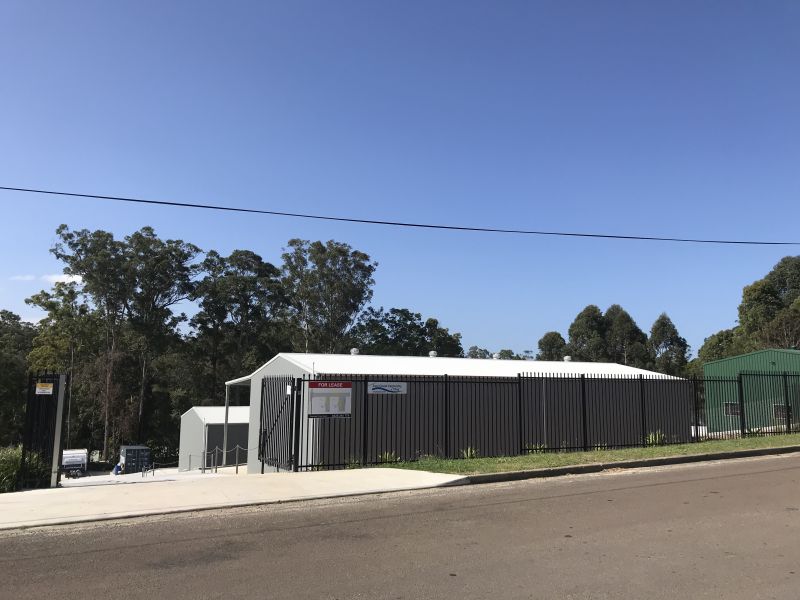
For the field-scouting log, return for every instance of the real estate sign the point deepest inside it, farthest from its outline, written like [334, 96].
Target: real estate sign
[330, 398]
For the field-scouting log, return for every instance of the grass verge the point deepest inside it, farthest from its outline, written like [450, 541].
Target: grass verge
[545, 460]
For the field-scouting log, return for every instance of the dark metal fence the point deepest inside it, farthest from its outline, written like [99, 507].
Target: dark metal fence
[39, 434]
[463, 417]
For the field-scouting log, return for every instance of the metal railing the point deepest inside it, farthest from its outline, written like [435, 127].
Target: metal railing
[211, 460]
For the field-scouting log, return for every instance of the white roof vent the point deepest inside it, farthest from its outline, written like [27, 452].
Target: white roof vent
[496, 355]
[567, 359]
[354, 351]
[433, 354]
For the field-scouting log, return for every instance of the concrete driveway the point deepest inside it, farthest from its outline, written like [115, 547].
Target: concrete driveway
[725, 530]
[110, 497]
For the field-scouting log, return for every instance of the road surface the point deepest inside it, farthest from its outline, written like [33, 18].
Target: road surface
[728, 529]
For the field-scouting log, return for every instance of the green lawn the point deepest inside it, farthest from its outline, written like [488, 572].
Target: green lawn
[543, 460]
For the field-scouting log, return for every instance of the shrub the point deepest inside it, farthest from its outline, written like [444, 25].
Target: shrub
[388, 457]
[656, 438]
[535, 448]
[469, 452]
[10, 461]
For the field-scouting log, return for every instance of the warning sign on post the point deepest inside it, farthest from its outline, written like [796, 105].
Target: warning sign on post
[44, 389]
[330, 398]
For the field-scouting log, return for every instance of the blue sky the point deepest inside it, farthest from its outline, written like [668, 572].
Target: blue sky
[671, 119]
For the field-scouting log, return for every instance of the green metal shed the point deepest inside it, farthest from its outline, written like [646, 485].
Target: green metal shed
[765, 385]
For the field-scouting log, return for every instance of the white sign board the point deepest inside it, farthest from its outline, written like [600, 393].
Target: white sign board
[387, 387]
[330, 398]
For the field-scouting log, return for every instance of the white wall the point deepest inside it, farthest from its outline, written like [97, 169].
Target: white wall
[191, 441]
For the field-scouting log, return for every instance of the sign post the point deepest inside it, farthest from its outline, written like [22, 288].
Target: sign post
[56, 467]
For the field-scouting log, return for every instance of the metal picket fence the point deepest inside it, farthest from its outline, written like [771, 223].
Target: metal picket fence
[464, 417]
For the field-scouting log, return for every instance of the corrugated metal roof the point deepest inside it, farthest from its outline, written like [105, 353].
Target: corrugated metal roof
[757, 352]
[760, 361]
[364, 364]
[213, 415]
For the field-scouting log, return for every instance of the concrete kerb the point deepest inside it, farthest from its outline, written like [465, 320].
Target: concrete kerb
[624, 464]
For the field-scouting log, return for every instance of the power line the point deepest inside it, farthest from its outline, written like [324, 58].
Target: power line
[399, 223]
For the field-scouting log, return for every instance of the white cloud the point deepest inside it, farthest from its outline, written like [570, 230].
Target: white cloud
[23, 278]
[60, 277]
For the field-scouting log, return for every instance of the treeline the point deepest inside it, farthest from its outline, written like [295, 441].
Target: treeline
[613, 336]
[137, 361]
[769, 316]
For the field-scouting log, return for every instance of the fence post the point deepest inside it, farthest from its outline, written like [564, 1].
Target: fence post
[297, 398]
[519, 412]
[583, 414]
[364, 417]
[642, 410]
[446, 419]
[786, 402]
[742, 426]
[237, 459]
[261, 449]
[696, 410]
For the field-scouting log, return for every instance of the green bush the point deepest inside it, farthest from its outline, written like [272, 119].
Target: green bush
[535, 448]
[10, 461]
[656, 438]
[469, 452]
[388, 457]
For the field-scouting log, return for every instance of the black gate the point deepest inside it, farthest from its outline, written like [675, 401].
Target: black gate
[41, 436]
[279, 402]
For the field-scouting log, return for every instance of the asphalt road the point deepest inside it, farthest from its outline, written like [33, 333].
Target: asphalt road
[728, 529]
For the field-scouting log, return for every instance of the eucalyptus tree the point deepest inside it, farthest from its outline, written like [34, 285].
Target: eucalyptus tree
[16, 338]
[587, 336]
[400, 331]
[161, 273]
[100, 262]
[241, 300]
[327, 285]
[670, 350]
[626, 344]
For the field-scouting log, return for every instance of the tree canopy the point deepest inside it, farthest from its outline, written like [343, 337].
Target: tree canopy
[399, 331]
[769, 315]
[137, 362]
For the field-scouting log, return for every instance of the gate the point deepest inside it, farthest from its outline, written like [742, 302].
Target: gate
[279, 403]
[41, 438]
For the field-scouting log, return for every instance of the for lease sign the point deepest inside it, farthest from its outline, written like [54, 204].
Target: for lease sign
[330, 398]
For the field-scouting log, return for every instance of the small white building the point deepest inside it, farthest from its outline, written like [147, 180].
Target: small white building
[203, 431]
[309, 366]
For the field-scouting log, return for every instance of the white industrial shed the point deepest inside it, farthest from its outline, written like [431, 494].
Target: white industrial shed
[309, 366]
[203, 430]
